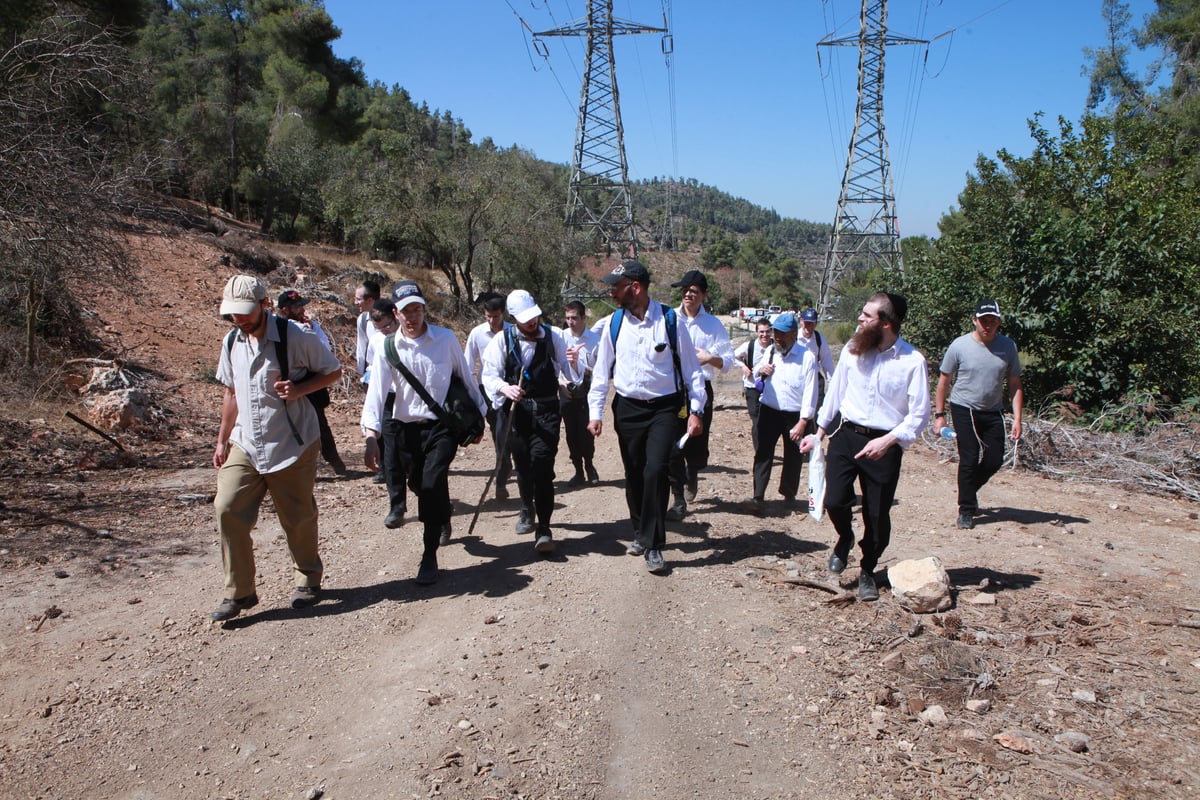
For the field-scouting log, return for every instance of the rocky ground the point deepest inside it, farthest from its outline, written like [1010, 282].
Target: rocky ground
[1067, 667]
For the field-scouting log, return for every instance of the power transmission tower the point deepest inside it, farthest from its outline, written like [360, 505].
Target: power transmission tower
[864, 229]
[598, 190]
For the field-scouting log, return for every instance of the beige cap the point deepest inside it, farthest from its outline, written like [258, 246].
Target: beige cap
[242, 294]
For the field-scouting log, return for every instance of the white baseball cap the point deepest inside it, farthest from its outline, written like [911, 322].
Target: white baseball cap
[522, 307]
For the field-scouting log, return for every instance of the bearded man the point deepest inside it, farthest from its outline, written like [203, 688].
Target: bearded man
[879, 398]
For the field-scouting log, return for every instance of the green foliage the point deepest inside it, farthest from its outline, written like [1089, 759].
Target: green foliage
[1089, 244]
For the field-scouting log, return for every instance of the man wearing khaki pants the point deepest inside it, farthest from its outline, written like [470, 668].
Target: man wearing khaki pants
[268, 442]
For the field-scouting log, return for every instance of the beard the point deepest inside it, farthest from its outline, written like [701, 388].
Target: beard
[867, 337]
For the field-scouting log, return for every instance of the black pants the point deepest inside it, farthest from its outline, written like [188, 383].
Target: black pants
[328, 444]
[687, 463]
[980, 450]
[425, 450]
[580, 443]
[773, 425]
[753, 401]
[534, 446]
[394, 475]
[497, 433]
[646, 433]
[878, 480]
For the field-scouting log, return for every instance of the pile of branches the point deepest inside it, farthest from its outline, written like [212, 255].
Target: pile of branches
[1137, 446]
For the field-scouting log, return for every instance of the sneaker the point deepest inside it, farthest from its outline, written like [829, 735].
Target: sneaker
[394, 519]
[444, 538]
[867, 590]
[692, 489]
[634, 548]
[524, 523]
[545, 542]
[965, 520]
[427, 573]
[231, 607]
[654, 562]
[836, 564]
[593, 477]
[306, 596]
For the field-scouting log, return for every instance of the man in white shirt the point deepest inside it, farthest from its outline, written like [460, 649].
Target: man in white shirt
[364, 298]
[812, 340]
[879, 398]
[291, 306]
[423, 442]
[788, 403]
[659, 395]
[581, 352]
[751, 353]
[714, 352]
[521, 371]
[477, 341]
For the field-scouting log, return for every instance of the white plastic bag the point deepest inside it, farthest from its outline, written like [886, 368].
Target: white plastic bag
[816, 482]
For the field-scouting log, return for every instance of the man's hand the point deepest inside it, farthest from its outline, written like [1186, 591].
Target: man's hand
[594, 427]
[695, 425]
[513, 392]
[766, 370]
[938, 424]
[286, 390]
[371, 453]
[809, 442]
[220, 453]
[877, 448]
[1016, 430]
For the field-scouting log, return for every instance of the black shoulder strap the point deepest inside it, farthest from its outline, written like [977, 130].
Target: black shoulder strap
[818, 335]
[281, 325]
[393, 357]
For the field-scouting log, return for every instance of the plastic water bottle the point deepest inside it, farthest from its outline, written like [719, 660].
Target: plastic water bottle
[948, 432]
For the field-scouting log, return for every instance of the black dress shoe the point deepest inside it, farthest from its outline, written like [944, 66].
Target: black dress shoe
[836, 564]
[965, 520]
[867, 590]
[394, 519]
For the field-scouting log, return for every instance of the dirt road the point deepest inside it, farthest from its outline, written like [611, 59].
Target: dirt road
[581, 675]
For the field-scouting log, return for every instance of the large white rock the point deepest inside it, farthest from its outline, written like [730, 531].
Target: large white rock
[920, 584]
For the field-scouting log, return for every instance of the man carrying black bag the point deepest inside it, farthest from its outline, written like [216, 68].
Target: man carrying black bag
[425, 445]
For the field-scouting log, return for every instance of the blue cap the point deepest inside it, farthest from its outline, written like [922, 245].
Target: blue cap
[808, 315]
[405, 293]
[784, 323]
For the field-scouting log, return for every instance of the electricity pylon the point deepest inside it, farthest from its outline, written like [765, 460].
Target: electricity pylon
[864, 229]
[598, 190]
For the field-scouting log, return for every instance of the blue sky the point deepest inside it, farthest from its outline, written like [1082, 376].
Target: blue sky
[756, 114]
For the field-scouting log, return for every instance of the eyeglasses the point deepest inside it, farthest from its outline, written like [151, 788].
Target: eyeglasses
[619, 287]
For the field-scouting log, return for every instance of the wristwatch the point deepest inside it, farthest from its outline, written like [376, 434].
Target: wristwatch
[939, 414]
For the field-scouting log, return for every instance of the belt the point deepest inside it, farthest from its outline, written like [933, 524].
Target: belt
[863, 430]
[535, 404]
[666, 401]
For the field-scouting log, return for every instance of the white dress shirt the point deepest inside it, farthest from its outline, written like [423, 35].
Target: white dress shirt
[496, 354]
[432, 358]
[760, 356]
[708, 333]
[886, 390]
[646, 368]
[824, 357]
[793, 384]
[477, 342]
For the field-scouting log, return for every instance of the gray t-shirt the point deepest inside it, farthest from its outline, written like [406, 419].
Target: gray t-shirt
[980, 370]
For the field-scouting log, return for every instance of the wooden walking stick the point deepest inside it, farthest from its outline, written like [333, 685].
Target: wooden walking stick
[500, 455]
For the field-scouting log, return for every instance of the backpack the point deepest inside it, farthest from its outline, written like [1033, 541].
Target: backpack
[320, 398]
[457, 412]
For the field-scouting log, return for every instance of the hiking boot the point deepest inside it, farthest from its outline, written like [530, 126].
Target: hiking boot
[306, 596]
[444, 537]
[593, 477]
[231, 607]
[634, 548]
[524, 523]
[394, 519]
[654, 562]
[427, 573]
[965, 520]
[867, 590]
[545, 541]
